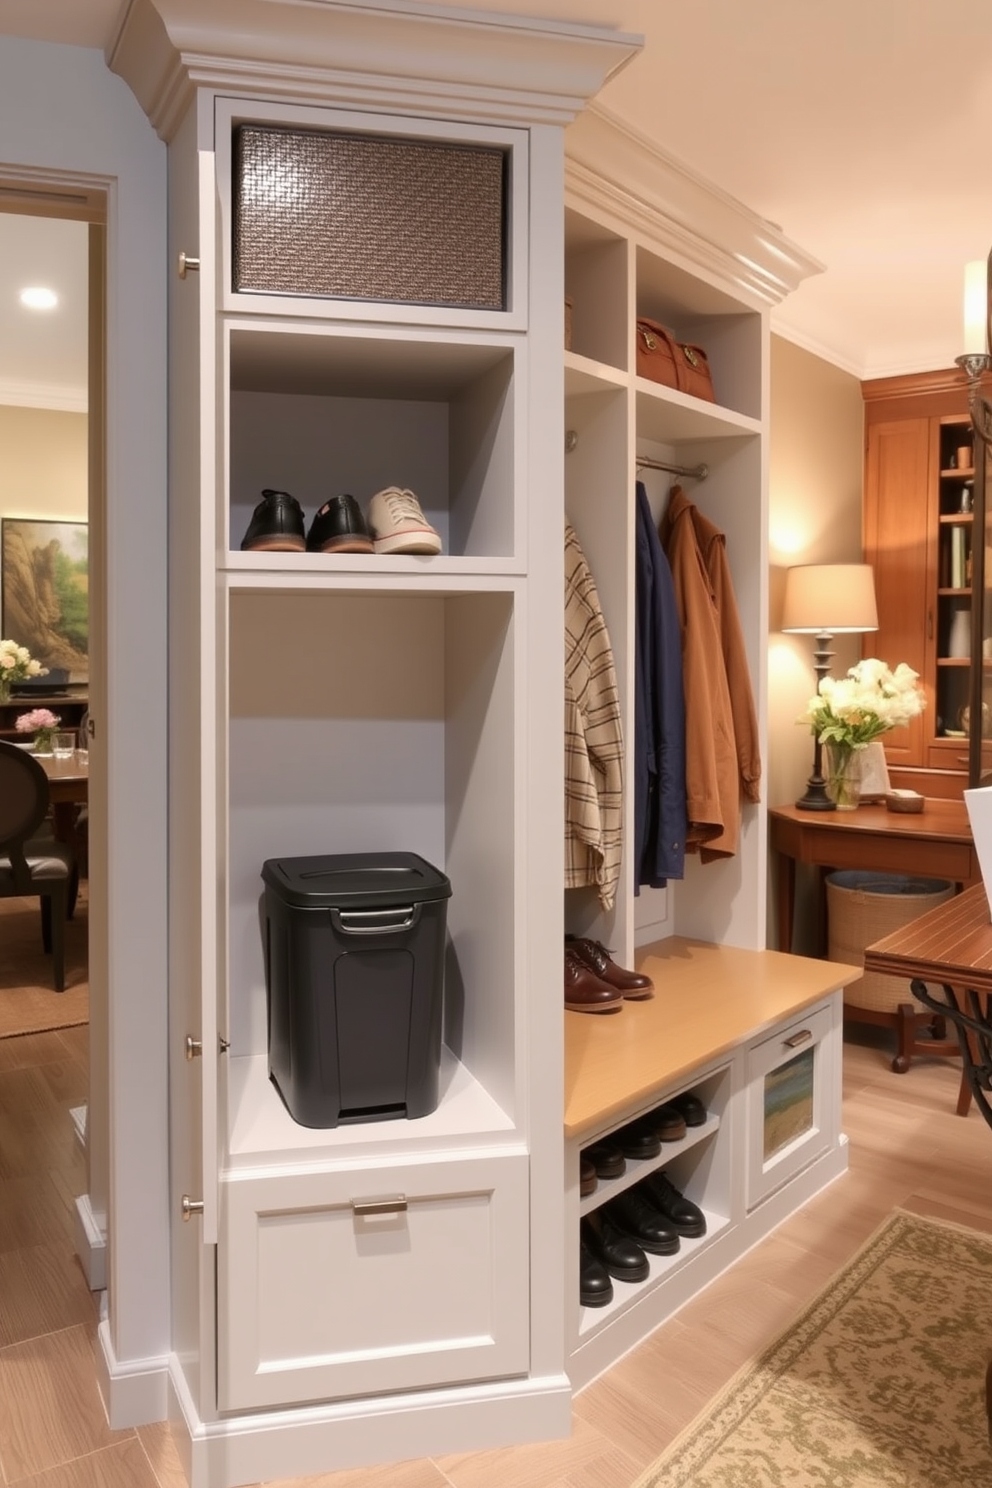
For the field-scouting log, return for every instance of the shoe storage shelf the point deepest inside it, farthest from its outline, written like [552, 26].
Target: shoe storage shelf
[755, 1036]
[349, 703]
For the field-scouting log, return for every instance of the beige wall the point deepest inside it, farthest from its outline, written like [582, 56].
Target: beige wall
[815, 481]
[43, 464]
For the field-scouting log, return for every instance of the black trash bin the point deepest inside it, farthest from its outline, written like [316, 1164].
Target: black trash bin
[354, 971]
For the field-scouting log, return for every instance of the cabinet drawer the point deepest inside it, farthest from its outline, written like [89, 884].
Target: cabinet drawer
[789, 1113]
[950, 756]
[362, 1281]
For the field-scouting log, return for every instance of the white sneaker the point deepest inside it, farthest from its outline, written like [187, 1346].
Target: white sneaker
[398, 524]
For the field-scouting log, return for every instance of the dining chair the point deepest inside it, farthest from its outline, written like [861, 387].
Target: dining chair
[34, 866]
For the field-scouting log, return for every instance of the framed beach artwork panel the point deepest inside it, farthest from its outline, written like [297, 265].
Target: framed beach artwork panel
[44, 574]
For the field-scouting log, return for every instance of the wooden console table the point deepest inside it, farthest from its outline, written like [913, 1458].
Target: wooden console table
[935, 843]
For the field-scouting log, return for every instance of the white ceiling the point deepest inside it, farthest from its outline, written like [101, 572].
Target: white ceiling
[857, 127]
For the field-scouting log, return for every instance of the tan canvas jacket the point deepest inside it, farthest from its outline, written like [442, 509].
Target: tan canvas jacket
[723, 762]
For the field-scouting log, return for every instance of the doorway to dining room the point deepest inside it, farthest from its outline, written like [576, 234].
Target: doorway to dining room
[52, 484]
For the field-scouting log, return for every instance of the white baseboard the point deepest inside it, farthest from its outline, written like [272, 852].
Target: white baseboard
[91, 1244]
[134, 1393]
[364, 1433]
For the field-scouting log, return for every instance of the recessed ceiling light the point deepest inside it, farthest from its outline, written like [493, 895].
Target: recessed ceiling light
[39, 299]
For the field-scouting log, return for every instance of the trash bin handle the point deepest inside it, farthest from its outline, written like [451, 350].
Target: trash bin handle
[375, 921]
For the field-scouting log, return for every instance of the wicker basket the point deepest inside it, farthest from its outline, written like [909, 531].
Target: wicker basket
[864, 907]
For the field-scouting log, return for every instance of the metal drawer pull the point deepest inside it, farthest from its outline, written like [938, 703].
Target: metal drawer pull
[802, 1037]
[394, 1205]
[187, 265]
[191, 1207]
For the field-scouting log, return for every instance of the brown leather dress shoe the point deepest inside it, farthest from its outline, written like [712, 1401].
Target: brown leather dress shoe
[585, 992]
[607, 1159]
[596, 957]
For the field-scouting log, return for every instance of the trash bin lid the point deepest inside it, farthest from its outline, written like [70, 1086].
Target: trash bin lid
[866, 882]
[358, 880]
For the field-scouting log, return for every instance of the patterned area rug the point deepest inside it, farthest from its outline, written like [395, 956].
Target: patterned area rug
[880, 1383]
[28, 1000]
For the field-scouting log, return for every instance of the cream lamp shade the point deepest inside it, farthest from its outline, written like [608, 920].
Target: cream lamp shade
[829, 598]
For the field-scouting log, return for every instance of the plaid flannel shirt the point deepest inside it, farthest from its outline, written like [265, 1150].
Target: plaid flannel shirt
[593, 737]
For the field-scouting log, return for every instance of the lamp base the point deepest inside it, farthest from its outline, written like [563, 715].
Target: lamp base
[816, 798]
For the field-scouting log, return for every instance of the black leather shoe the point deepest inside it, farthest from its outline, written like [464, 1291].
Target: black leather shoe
[668, 1122]
[587, 1176]
[623, 1258]
[276, 525]
[595, 1286]
[638, 1138]
[687, 1218]
[339, 527]
[635, 1216]
[606, 1158]
[690, 1107]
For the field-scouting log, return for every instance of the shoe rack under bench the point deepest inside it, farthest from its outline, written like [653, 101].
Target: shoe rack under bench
[756, 1035]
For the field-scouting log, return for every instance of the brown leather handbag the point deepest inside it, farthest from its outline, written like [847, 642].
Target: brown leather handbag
[674, 363]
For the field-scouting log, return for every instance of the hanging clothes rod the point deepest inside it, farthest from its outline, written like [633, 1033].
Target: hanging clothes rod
[696, 472]
[644, 462]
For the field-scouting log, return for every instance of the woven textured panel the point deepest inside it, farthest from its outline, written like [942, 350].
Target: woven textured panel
[368, 217]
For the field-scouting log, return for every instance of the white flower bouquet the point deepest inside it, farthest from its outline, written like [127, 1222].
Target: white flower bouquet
[16, 663]
[854, 710]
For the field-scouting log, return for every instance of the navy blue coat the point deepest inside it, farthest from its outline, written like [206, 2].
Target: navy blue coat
[659, 714]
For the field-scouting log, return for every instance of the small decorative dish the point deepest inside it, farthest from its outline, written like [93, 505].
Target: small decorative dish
[904, 800]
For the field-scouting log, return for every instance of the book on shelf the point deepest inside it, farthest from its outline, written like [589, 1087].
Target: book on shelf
[957, 558]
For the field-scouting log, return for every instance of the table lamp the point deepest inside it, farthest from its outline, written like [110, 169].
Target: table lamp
[827, 599]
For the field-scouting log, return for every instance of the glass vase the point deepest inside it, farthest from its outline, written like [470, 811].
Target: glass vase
[43, 742]
[843, 775]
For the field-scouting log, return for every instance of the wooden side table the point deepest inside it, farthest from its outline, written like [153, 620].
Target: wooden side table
[934, 843]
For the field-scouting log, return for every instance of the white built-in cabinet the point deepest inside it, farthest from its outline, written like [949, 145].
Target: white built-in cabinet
[742, 1028]
[394, 1289]
[383, 1289]
[617, 267]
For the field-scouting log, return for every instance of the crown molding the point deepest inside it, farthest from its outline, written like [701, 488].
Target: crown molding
[781, 328]
[613, 167]
[396, 55]
[915, 384]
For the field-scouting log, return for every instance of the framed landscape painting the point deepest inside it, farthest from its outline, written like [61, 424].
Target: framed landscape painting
[44, 573]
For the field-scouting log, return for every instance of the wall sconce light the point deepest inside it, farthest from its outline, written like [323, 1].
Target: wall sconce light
[976, 360]
[827, 599]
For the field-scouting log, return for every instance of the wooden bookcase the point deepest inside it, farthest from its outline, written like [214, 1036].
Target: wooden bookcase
[923, 519]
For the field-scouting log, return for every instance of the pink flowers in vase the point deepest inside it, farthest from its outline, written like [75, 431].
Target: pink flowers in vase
[41, 722]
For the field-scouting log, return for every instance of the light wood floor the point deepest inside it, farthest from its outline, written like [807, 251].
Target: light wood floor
[908, 1150]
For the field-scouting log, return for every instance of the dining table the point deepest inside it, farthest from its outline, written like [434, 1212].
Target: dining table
[68, 789]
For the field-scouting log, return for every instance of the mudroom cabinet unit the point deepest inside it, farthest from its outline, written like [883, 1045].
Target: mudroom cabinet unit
[725, 1010]
[388, 1288]
[326, 1280]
